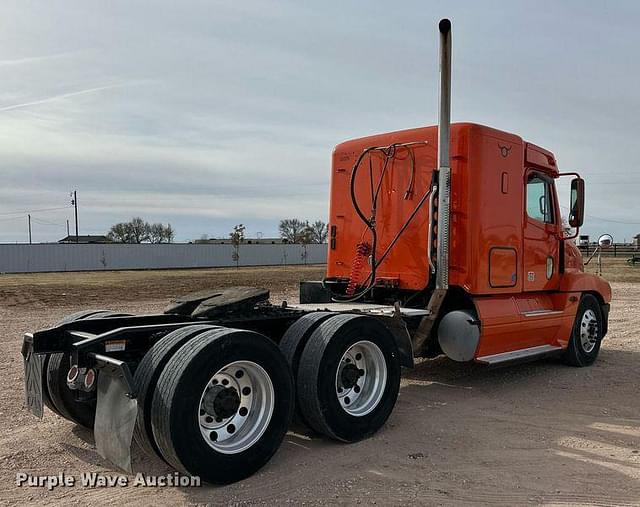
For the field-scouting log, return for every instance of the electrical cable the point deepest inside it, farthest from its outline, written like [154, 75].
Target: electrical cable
[41, 221]
[602, 219]
[389, 153]
[34, 211]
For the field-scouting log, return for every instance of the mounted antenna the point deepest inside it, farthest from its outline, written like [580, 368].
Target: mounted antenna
[444, 165]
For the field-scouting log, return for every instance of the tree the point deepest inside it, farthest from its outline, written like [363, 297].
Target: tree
[156, 233]
[291, 228]
[138, 231]
[318, 231]
[305, 236]
[120, 233]
[169, 234]
[237, 237]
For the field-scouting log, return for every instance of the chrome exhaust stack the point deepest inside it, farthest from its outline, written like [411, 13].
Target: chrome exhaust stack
[443, 188]
[444, 164]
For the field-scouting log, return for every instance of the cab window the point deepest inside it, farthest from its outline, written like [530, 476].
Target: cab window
[539, 202]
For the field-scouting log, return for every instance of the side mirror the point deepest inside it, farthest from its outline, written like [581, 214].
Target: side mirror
[605, 241]
[576, 213]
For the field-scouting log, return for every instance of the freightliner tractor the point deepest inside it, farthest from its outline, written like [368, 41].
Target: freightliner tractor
[443, 240]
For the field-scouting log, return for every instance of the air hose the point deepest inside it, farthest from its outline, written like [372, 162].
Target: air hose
[389, 153]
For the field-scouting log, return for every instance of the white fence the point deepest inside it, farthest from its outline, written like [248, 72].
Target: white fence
[54, 257]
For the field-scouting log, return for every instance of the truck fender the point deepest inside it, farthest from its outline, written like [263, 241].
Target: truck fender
[586, 282]
[402, 338]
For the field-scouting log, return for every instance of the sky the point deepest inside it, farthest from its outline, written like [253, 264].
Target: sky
[206, 114]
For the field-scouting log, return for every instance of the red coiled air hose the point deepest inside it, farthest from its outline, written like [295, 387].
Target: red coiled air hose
[362, 250]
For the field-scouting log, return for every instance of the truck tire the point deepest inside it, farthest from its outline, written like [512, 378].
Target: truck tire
[349, 377]
[82, 413]
[46, 397]
[222, 405]
[146, 377]
[586, 335]
[293, 342]
[56, 394]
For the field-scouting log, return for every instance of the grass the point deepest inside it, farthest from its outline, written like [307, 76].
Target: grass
[615, 269]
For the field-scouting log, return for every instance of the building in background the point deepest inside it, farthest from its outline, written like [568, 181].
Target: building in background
[245, 241]
[85, 239]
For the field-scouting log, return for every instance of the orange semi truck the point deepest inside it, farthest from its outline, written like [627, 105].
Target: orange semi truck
[442, 240]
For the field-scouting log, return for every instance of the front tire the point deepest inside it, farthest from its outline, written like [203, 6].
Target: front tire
[349, 377]
[587, 333]
[222, 405]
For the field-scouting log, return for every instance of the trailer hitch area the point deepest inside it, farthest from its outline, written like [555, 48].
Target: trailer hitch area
[116, 411]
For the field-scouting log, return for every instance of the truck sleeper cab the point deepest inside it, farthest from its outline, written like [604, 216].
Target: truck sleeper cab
[509, 262]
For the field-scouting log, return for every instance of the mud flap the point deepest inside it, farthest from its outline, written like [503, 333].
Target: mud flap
[116, 414]
[33, 377]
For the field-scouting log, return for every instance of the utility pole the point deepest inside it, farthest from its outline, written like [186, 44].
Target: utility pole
[74, 201]
[29, 216]
[67, 227]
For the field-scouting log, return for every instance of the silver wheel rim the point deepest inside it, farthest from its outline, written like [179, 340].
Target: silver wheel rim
[361, 378]
[588, 330]
[235, 407]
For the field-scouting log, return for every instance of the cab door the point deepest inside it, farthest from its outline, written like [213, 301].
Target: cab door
[541, 230]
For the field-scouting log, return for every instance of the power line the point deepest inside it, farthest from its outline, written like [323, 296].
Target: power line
[612, 220]
[45, 222]
[24, 213]
[13, 218]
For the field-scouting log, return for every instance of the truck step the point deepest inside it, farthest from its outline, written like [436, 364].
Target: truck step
[517, 355]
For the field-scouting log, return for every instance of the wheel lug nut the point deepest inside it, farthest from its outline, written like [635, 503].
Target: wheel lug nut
[243, 411]
[231, 428]
[358, 356]
[208, 419]
[246, 391]
[239, 374]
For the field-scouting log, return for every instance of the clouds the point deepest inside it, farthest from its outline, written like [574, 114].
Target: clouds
[205, 114]
[54, 98]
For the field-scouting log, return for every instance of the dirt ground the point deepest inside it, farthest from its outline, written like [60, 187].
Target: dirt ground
[539, 433]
